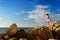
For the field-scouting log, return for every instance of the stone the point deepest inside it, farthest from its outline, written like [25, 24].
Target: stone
[56, 30]
[22, 39]
[0, 36]
[12, 29]
[12, 39]
[21, 34]
[53, 39]
[6, 37]
[39, 33]
[51, 32]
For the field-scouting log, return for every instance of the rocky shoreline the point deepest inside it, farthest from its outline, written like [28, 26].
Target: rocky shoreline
[51, 32]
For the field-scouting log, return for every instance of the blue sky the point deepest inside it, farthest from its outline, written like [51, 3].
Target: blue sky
[28, 13]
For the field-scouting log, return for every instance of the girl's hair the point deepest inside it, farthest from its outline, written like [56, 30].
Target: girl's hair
[47, 14]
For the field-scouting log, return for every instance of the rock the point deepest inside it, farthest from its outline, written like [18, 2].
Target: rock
[12, 29]
[22, 39]
[56, 30]
[51, 32]
[6, 37]
[56, 26]
[53, 39]
[39, 33]
[21, 34]
[12, 39]
[0, 36]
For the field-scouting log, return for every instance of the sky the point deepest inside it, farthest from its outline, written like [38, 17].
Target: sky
[28, 13]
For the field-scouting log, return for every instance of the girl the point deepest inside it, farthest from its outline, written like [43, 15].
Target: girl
[48, 18]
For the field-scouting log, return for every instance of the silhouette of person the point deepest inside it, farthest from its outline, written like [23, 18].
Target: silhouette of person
[48, 18]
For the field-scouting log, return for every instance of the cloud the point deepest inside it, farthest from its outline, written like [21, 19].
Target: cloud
[38, 13]
[25, 25]
[42, 6]
[55, 17]
[20, 12]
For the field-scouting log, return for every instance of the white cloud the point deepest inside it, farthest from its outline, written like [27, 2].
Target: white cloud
[38, 14]
[22, 11]
[25, 25]
[55, 17]
[42, 6]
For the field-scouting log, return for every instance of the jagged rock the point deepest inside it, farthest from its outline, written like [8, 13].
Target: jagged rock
[51, 32]
[3, 36]
[6, 37]
[12, 29]
[0, 36]
[56, 26]
[56, 30]
[12, 39]
[40, 33]
[22, 39]
[53, 39]
[21, 34]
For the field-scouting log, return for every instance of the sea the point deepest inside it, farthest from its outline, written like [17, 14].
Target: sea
[4, 30]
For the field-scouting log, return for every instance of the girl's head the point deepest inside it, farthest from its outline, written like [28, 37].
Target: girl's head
[47, 14]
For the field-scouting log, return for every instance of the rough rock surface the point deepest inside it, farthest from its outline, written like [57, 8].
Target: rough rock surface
[21, 34]
[51, 32]
[12, 29]
[40, 33]
[56, 30]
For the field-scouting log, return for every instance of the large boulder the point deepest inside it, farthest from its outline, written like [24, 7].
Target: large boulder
[56, 26]
[39, 33]
[22, 39]
[4, 36]
[12, 29]
[21, 33]
[55, 30]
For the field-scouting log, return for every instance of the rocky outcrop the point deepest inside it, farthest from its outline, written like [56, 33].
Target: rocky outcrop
[21, 34]
[40, 33]
[12, 29]
[56, 30]
[51, 32]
